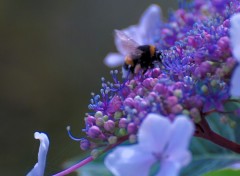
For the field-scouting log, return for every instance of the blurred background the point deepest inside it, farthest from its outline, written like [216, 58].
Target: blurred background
[51, 59]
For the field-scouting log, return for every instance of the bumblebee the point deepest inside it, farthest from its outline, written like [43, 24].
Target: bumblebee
[138, 57]
[148, 58]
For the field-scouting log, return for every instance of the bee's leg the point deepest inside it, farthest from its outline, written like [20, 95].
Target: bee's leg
[137, 68]
[126, 71]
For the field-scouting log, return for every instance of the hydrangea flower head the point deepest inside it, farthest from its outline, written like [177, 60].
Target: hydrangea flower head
[193, 77]
[39, 167]
[195, 74]
[159, 141]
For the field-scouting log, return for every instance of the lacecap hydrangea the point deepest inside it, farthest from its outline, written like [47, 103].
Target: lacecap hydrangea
[197, 74]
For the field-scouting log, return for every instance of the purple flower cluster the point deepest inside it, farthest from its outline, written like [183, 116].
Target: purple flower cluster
[193, 78]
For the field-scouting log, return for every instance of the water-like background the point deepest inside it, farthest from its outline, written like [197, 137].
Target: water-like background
[51, 59]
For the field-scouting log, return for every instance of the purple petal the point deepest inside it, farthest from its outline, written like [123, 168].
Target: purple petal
[181, 158]
[235, 166]
[176, 154]
[149, 24]
[169, 168]
[114, 60]
[154, 133]
[129, 160]
[39, 167]
[235, 35]
[182, 132]
[235, 82]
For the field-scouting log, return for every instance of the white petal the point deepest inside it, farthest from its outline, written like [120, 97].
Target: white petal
[154, 133]
[39, 167]
[235, 35]
[149, 24]
[129, 161]
[235, 82]
[181, 134]
[114, 60]
[169, 168]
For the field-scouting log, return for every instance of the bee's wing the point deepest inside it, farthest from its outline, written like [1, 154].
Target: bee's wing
[125, 44]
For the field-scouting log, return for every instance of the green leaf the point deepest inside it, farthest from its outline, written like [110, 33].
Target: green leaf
[208, 156]
[224, 172]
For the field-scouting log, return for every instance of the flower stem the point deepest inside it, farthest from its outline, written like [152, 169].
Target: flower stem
[204, 131]
[75, 167]
[90, 158]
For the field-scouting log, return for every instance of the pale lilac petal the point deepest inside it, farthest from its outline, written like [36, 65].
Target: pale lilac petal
[235, 166]
[114, 60]
[179, 157]
[149, 24]
[235, 82]
[39, 167]
[129, 161]
[169, 168]
[154, 133]
[181, 134]
[235, 35]
[176, 152]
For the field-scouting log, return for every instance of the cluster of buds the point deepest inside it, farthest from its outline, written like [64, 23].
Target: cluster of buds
[194, 77]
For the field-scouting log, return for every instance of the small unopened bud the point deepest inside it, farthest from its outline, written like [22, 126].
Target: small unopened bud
[109, 125]
[156, 72]
[171, 101]
[178, 93]
[194, 112]
[98, 114]
[213, 83]
[118, 115]
[95, 153]
[94, 132]
[105, 118]
[85, 144]
[112, 140]
[99, 122]
[132, 138]
[123, 123]
[176, 109]
[185, 112]
[131, 128]
[147, 83]
[122, 132]
[90, 120]
[204, 89]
